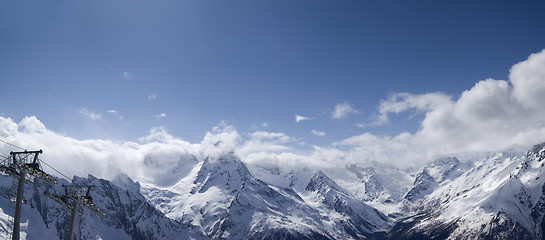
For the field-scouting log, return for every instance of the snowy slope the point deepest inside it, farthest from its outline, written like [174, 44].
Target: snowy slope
[500, 196]
[167, 169]
[223, 192]
[129, 214]
[226, 201]
[379, 185]
[356, 218]
[436, 173]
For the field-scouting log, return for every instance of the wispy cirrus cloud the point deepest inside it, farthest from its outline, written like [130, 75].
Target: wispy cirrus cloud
[162, 115]
[127, 75]
[152, 97]
[114, 112]
[89, 114]
[360, 125]
[317, 133]
[262, 125]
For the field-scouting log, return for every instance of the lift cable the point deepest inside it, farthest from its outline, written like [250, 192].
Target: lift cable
[42, 161]
[24, 164]
[13, 145]
[67, 178]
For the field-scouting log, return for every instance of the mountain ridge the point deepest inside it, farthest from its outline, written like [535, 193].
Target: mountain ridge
[501, 196]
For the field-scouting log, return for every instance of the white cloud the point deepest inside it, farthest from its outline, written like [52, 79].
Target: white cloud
[260, 142]
[317, 133]
[127, 75]
[342, 110]
[263, 125]
[114, 112]
[157, 134]
[162, 115]
[401, 102]
[7, 127]
[493, 115]
[301, 118]
[89, 114]
[360, 125]
[151, 160]
[279, 137]
[528, 82]
[221, 140]
[31, 125]
[152, 97]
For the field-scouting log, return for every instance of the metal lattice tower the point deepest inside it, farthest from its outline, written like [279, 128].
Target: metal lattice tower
[73, 196]
[25, 167]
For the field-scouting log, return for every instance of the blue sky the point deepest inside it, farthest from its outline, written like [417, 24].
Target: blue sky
[115, 69]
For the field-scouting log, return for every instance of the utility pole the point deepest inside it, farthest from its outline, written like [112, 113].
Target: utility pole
[18, 165]
[71, 199]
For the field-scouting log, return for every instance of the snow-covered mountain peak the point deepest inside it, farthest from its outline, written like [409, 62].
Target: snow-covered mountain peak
[124, 182]
[424, 184]
[363, 173]
[357, 216]
[227, 162]
[167, 168]
[226, 171]
[380, 185]
[320, 182]
[434, 174]
[537, 152]
[500, 196]
[444, 168]
[444, 161]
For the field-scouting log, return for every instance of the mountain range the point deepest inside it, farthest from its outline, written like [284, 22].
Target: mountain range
[219, 197]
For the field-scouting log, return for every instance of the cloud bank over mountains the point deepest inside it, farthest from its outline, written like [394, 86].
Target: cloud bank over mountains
[493, 115]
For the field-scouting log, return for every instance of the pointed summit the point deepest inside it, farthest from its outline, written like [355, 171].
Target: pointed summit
[226, 172]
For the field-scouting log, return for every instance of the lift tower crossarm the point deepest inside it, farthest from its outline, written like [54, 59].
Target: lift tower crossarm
[71, 200]
[25, 167]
